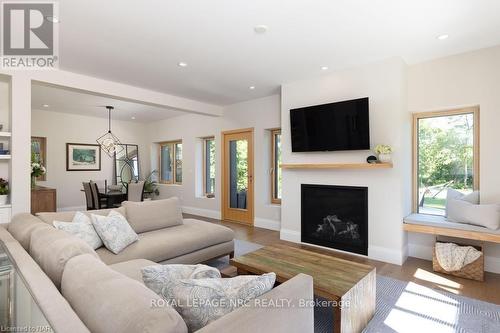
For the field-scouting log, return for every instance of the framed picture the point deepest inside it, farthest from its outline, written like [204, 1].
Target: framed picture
[83, 157]
[39, 152]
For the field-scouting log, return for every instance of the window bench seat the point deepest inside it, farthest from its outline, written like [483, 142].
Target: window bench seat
[438, 225]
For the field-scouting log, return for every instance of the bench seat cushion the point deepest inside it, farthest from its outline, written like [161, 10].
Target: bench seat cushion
[164, 244]
[440, 221]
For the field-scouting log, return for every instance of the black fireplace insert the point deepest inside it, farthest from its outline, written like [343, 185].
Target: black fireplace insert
[335, 217]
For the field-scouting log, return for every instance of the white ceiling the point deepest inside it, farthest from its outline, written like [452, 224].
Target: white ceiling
[64, 100]
[141, 42]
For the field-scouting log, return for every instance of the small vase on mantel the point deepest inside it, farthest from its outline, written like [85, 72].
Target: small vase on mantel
[385, 158]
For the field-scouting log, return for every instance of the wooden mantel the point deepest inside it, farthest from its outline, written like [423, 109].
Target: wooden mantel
[336, 166]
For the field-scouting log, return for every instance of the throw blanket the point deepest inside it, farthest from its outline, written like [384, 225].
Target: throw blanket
[453, 257]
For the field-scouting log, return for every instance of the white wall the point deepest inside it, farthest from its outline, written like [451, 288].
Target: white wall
[388, 189]
[262, 114]
[61, 128]
[463, 80]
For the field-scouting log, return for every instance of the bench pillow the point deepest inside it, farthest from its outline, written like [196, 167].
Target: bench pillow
[107, 301]
[452, 194]
[482, 215]
[153, 215]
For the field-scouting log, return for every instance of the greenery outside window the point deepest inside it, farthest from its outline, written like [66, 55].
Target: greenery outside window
[276, 166]
[209, 166]
[171, 162]
[445, 155]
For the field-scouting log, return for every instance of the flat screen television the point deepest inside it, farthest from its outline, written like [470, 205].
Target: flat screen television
[329, 127]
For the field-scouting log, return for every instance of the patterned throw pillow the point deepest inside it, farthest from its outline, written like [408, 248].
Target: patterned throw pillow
[201, 301]
[82, 228]
[114, 230]
[162, 278]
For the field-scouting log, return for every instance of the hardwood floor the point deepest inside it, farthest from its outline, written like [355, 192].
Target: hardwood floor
[414, 269]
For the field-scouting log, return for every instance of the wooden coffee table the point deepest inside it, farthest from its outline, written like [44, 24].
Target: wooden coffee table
[349, 284]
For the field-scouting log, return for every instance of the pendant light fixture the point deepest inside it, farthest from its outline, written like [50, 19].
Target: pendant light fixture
[109, 142]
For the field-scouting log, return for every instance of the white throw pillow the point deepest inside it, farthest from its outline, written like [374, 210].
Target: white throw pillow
[114, 230]
[163, 277]
[482, 215]
[452, 194]
[201, 301]
[82, 228]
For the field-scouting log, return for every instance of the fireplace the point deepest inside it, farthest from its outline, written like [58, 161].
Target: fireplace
[335, 217]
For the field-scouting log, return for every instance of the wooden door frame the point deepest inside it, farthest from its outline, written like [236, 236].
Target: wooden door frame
[224, 194]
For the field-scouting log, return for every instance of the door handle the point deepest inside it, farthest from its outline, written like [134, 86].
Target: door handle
[250, 178]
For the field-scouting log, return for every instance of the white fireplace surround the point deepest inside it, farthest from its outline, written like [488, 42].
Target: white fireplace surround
[390, 123]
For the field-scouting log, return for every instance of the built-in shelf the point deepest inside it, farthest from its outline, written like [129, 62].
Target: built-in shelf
[5, 134]
[336, 166]
[5, 206]
[5, 157]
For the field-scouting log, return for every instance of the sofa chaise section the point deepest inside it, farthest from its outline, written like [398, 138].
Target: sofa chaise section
[203, 240]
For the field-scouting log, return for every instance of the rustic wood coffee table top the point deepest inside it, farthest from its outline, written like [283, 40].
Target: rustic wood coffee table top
[333, 277]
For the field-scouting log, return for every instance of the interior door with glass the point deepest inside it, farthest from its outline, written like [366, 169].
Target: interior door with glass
[237, 186]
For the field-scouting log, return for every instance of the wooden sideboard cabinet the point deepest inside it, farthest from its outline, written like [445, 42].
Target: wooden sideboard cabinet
[43, 199]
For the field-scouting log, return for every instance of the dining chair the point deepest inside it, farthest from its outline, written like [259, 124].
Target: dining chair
[135, 191]
[88, 195]
[99, 202]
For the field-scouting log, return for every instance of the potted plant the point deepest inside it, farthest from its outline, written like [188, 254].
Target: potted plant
[4, 191]
[151, 185]
[384, 153]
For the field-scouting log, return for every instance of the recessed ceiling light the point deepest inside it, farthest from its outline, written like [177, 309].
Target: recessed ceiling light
[133, 118]
[443, 37]
[52, 19]
[45, 105]
[324, 68]
[260, 29]
[182, 64]
[251, 87]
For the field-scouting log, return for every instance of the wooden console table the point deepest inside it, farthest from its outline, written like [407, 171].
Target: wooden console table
[351, 285]
[43, 199]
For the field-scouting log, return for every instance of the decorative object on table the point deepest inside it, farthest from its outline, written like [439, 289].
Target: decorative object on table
[458, 260]
[151, 185]
[83, 157]
[39, 152]
[4, 152]
[371, 159]
[384, 153]
[108, 141]
[37, 169]
[4, 191]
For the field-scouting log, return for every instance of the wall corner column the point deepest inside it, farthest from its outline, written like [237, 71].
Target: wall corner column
[20, 92]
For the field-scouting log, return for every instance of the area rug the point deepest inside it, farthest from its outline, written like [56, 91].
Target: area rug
[407, 307]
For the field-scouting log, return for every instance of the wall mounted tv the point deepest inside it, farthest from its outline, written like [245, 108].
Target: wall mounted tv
[328, 127]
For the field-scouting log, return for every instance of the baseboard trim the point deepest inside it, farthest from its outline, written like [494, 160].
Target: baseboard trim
[290, 235]
[267, 224]
[213, 214]
[386, 255]
[491, 264]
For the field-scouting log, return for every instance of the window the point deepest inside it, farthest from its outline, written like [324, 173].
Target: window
[445, 155]
[276, 166]
[209, 166]
[171, 162]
